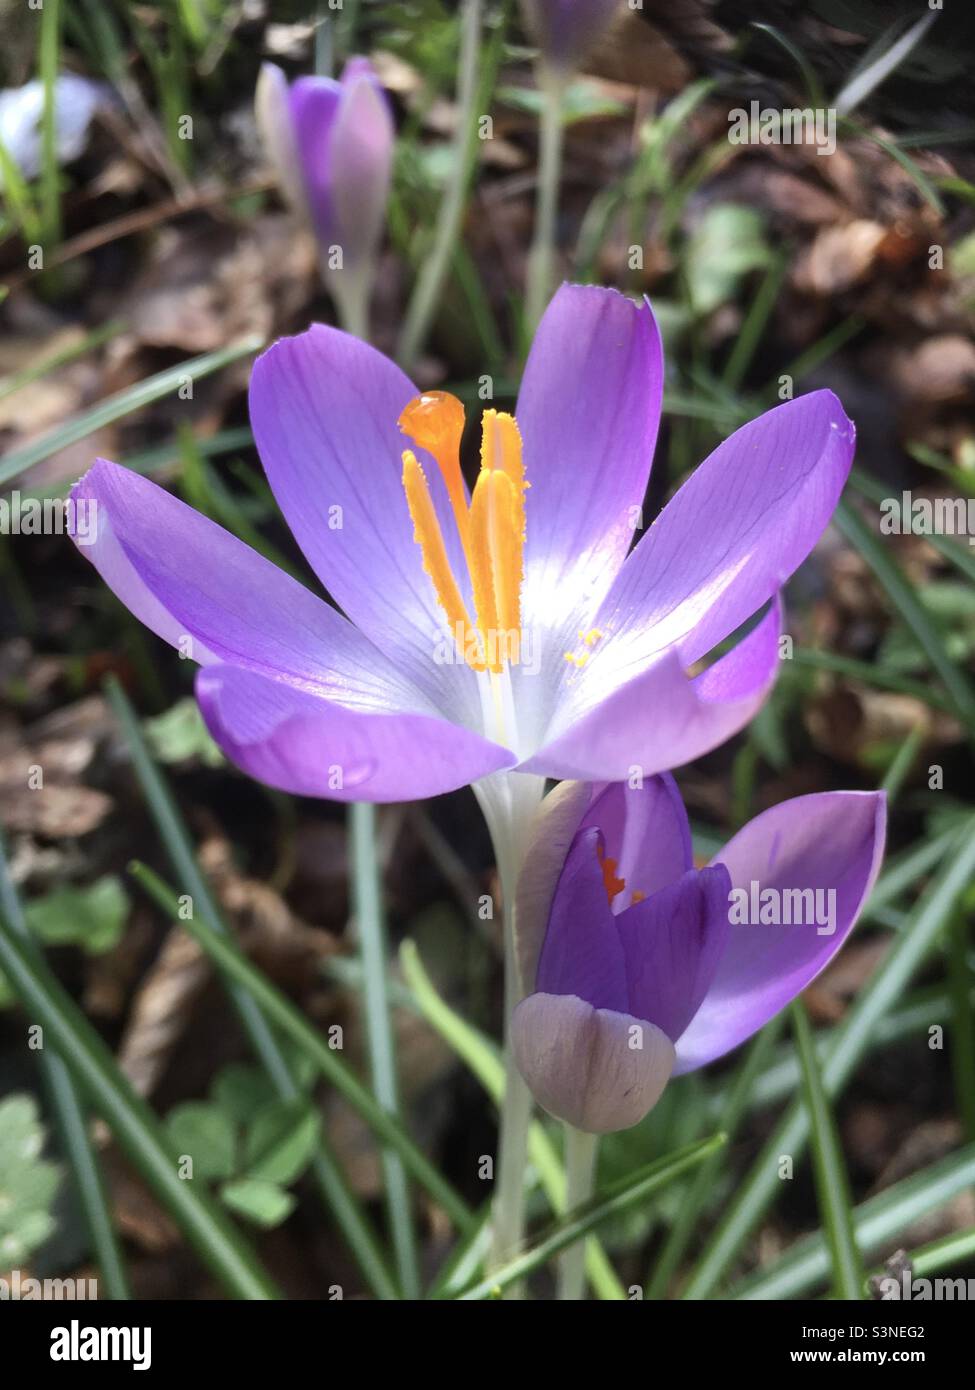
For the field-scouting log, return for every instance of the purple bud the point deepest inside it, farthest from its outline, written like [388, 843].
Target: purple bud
[567, 29]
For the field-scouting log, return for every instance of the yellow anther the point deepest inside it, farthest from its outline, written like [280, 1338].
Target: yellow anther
[435, 422]
[428, 536]
[611, 882]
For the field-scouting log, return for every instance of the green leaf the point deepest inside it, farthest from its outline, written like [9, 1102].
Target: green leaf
[180, 735]
[280, 1142]
[240, 1091]
[726, 246]
[611, 1202]
[93, 917]
[141, 1136]
[261, 1202]
[877, 1222]
[204, 1134]
[832, 1183]
[28, 1183]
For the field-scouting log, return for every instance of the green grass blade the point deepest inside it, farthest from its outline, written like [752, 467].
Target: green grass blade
[759, 1189]
[367, 899]
[871, 674]
[611, 1202]
[832, 1183]
[961, 980]
[49, 61]
[326, 1169]
[229, 959]
[140, 1135]
[696, 1198]
[123, 403]
[909, 609]
[72, 1125]
[877, 1222]
[483, 1058]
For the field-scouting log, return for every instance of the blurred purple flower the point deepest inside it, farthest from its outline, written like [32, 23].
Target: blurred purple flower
[76, 100]
[398, 697]
[331, 145]
[566, 29]
[645, 967]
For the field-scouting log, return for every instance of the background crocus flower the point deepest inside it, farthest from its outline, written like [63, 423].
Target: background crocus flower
[566, 29]
[331, 145]
[504, 630]
[642, 964]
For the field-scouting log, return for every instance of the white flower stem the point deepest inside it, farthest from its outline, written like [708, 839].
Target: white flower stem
[509, 802]
[541, 260]
[350, 290]
[580, 1172]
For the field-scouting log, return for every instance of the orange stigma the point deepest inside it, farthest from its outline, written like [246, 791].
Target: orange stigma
[491, 527]
[611, 883]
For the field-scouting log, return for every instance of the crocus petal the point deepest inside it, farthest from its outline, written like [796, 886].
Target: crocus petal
[314, 108]
[588, 411]
[553, 830]
[594, 1068]
[664, 718]
[728, 540]
[567, 29]
[646, 831]
[324, 408]
[831, 840]
[216, 599]
[301, 743]
[272, 110]
[581, 953]
[361, 165]
[672, 943]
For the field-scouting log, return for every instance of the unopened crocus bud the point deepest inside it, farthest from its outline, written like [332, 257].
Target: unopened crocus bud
[331, 146]
[644, 966]
[566, 30]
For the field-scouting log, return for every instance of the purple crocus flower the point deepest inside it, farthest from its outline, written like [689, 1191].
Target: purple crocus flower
[567, 29]
[500, 631]
[645, 967]
[331, 145]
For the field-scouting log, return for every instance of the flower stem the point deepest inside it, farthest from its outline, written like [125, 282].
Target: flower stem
[350, 292]
[429, 285]
[509, 803]
[580, 1171]
[541, 261]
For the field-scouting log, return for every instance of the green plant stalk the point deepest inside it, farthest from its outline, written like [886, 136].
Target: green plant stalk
[139, 1134]
[611, 1202]
[760, 1187]
[832, 1182]
[702, 1186]
[961, 979]
[367, 900]
[72, 1125]
[580, 1174]
[49, 53]
[877, 1222]
[429, 285]
[228, 958]
[326, 1168]
[541, 258]
[481, 1056]
[123, 403]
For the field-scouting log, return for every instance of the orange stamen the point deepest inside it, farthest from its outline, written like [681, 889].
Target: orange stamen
[435, 422]
[611, 883]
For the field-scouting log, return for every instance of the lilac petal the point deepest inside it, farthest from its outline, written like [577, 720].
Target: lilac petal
[596, 1069]
[567, 29]
[731, 537]
[324, 408]
[295, 740]
[672, 943]
[553, 830]
[588, 411]
[361, 165]
[646, 831]
[581, 953]
[272, 110]
[831, 840]
[185, 577]
[663, 718]
[314, 108]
